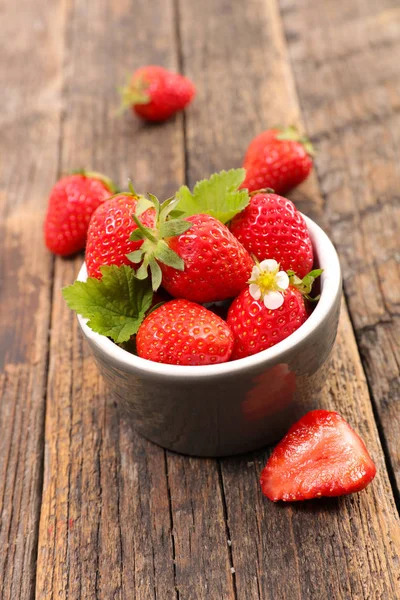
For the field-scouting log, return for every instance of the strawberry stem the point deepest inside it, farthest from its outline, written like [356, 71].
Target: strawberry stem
[155, 248]
[134, 92]
[96, 175]
[147, 233]
[291, 133]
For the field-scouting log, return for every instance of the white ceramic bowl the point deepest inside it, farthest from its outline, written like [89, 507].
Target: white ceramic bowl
[233, 407]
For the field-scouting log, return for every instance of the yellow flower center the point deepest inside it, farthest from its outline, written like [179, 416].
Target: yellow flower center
[266, 281]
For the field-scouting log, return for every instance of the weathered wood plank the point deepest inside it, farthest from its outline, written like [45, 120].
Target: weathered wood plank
[30, 114]
[115, 515]
[283, 552]
[335, 548]
[105, 529]
[202, 556]
[348, 78]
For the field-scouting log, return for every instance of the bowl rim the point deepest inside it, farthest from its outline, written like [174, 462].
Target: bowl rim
[330, 288]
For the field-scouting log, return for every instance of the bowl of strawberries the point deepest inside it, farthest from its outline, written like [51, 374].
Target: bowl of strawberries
[211, 315]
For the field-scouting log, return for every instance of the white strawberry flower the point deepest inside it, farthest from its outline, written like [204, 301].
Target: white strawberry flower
[267, 283]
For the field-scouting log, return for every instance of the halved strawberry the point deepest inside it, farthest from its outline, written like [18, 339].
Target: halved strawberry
[321, 455]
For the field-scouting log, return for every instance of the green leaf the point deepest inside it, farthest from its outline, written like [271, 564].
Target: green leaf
[304, 285]
[156, 275]
[131, 188]
[169, 257]
[96, 175]
[132, 94]
[147, 233]
[309, 279]
[168, 206]
[135, 256]
[291, 133]
[136, 235]
[142, 205]
[115, 305]
[174, 227]
[141, 273]
[218, 196]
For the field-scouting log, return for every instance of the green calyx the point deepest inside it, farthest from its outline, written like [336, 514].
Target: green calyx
[291, 133]
[304, 286]
[134, 92]
[131, 193]
[155, 248]
[96, 175]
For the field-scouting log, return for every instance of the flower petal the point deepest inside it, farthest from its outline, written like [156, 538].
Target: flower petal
[255, 272]
[273, 300]
[255, 291]
[282, 280]
[269, 264]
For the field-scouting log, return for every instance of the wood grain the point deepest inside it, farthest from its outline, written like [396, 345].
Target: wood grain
[348, 80]
[120, 517]
[105, 527]
[278, 552]
[336, 548]
[30, 113]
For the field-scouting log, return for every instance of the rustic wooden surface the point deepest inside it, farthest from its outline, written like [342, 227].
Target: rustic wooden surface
[88, 508]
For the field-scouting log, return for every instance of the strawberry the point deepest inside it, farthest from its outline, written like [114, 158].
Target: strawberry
[111, 225]
[184, 333]
[321, 455]
[155, 94]
[196, 258]
[279, 159]
[272, 227]
[269, 310]
[72, 202]
[216, 264]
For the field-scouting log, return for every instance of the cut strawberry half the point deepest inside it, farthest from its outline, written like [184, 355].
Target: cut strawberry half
[321, 455]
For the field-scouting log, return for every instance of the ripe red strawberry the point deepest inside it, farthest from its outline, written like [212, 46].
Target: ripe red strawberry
[321, 455]
[155, 94]
[279, 159]
[216, 264]
[268, 311]
[72, 202]
[109, 230]
[272, 227]
[257, 328]
[184, 333]
[196, 258]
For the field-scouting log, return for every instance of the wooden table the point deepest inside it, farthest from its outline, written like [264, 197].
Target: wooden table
[88, 508]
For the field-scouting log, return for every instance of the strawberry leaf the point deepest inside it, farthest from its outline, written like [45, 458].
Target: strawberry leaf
[305, 285]
[174, 227]
[155, 272]
[218, 196]
[169, 257]
[143, 205]
[114, 305]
